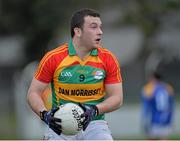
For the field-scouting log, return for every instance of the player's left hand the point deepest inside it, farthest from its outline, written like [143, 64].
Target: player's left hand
[90, 111]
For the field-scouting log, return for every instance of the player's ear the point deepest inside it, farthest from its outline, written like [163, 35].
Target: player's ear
[77, 31]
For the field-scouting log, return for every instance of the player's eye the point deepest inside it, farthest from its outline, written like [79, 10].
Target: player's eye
[94, 26]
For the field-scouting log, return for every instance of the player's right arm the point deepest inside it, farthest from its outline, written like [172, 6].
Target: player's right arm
[36, 103]
[34, 96]
[41, 79]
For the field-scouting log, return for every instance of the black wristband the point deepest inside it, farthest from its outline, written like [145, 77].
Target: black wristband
[97, 110]
[42, 114]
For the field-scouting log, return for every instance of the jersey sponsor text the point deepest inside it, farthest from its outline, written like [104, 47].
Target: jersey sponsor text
[79, 92]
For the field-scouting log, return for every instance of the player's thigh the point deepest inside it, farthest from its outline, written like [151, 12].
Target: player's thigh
[98, 130]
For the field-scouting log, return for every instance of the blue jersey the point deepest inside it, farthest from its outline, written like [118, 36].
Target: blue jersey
[158, 103]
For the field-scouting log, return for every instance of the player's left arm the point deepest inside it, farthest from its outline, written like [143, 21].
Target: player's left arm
[114, 98]
[113, 101]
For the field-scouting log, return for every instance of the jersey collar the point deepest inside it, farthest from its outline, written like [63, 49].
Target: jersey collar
[72, 50]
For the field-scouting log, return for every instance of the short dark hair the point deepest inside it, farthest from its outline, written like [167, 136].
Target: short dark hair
[158, 76]
[77, 19]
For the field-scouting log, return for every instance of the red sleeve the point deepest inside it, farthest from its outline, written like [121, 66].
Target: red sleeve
[46, 68]
[113, 74]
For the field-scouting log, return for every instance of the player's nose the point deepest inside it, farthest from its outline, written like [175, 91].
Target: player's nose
[100, 31]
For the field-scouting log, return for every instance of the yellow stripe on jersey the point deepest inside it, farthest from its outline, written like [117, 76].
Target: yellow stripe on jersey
[46, 57]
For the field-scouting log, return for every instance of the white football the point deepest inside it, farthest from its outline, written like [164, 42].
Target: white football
[70, 115]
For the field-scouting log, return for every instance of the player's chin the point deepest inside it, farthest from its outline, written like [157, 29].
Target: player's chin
[94, 46]
[97, 44]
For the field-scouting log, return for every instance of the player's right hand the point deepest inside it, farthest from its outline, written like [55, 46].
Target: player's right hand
[49, 119]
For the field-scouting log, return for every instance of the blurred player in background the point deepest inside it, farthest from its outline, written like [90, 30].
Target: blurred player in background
[82, 72]
[158, 107]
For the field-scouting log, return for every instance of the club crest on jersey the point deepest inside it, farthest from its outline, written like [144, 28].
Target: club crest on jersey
[66, 74]
[98, 75]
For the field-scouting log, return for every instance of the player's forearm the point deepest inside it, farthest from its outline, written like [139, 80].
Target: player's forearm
[36, 103]
[110, 104]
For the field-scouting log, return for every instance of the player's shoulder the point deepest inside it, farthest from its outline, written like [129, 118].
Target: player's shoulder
[105, 53]
[103, 50]
[60, 50]
[169, 89]
[148, 89]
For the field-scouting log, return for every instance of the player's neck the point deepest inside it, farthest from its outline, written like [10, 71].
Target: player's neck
[81, 50]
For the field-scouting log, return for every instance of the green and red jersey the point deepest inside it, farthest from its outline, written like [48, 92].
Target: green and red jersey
[76, 80]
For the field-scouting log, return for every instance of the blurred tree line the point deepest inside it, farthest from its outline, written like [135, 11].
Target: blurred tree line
[38, 21]
[149, 15]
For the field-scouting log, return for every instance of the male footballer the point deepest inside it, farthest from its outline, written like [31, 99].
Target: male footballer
[83, 72]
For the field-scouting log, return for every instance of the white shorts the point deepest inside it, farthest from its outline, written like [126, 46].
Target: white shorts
[96, 130]
[159, 131]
